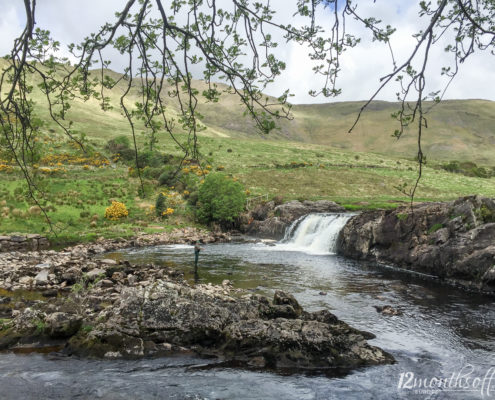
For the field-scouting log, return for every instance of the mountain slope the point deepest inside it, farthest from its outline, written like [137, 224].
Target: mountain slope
[457, 129]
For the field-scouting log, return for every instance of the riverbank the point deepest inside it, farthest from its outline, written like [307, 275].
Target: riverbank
[454, 241]
[81, 305]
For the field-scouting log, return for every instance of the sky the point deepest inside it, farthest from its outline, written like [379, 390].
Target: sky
[71, 20]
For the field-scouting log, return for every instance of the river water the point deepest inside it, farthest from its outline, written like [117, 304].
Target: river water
[444, 334]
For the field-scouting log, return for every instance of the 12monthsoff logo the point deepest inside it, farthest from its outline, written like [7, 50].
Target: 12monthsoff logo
[467, 379]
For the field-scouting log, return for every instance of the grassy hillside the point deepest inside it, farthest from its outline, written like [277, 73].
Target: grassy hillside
[311, 157]
[77, 193]
[457, 129]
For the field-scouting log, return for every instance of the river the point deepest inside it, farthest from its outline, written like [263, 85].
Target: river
[444, 337]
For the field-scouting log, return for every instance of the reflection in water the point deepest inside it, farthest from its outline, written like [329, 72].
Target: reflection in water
[442, 330]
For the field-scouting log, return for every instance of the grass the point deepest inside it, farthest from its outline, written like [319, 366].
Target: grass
[461, 130]
[362, 170]
[77, 198]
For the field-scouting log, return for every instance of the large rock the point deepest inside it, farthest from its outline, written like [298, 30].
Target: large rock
[62, 325]
[269, 221]
[210, 322]
[454, 241]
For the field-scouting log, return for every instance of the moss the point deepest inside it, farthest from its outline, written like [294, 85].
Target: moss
[5, 323]
[8, 337]
[402, 217]
[434, 228]
[486, 214]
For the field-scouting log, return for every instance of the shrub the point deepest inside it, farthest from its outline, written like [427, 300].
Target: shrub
[192, 199]
[127, 154]
[116, 145]
[220, 199]
[84, 214]
[152, 172]
[169, 176]
[160, 205]
[116, 211]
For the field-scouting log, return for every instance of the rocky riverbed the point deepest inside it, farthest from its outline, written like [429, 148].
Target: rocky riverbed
[81, 305]
[454, 241]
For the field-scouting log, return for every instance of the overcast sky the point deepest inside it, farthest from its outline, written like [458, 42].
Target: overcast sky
[71, 20]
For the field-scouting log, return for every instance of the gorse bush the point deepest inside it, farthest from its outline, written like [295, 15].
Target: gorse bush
[116, 211]
[169, 176]
[160, 204]
[220, 199]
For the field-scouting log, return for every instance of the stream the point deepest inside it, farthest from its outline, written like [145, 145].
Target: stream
[445, 337]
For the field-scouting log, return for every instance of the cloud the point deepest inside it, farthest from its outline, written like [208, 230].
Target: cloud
[362, 67]
[10, 27]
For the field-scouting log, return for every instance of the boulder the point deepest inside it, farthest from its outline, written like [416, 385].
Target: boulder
[62, 325]
[212, 323]
[454, 241]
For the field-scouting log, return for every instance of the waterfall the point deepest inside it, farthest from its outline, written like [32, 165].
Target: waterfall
[314, 233]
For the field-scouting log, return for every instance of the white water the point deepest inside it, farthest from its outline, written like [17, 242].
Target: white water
[314, 234]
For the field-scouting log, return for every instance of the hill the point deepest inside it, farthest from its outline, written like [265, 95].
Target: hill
[457, 129]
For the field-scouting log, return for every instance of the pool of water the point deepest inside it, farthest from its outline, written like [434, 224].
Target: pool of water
[444, 337]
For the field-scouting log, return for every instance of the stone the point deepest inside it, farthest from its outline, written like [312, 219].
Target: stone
[165, 315]
[454, 241]
[41, 277]
[95, 273]
[62, 325]
[43, 266]
[131, 279]
[282, 298]
[108, 261]
[388, 310]
[26, 280]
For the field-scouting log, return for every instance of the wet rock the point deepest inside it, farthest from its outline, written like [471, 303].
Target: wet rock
[282, 298]
[454, 241]
[62, 325]
[267, 221]
[388, 310]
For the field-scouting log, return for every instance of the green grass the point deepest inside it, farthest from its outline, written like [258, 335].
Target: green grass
[362, 170]
[291, 170]
[461, 130]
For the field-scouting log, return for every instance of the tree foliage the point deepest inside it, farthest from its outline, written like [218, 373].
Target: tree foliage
[230, 41]
[220, 199]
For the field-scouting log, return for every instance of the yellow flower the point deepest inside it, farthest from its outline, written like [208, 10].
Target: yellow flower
[116, 211]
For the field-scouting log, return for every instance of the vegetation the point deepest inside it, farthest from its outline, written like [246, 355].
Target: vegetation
[116, 211]
[434, 228]
[76, 197]
[220, 199]
[234, 45]
[71, 152]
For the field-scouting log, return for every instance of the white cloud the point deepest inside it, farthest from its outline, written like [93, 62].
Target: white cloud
[362, 67]
[10, 27]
